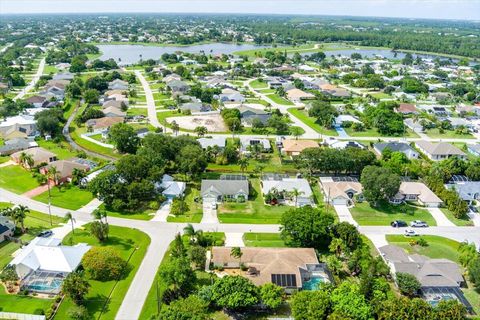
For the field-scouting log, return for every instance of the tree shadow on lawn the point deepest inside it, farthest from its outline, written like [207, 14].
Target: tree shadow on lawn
[124, 244]
[390, 209]
[96, 304]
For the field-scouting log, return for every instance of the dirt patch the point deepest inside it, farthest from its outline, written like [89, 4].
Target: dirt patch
[213, 122]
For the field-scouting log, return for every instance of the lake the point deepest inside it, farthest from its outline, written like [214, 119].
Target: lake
[129, 54]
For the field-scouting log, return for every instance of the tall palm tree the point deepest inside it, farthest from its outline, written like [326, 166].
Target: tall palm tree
[70, 218]
[20, 213]
[175, 127]
[194, 235]
[237, 253]
[51, 175]
[243, 163]
[100, 214]
[26, 160]
[295, 194]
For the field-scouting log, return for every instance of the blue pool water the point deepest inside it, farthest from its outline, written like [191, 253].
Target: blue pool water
[313, 283]
[40, 286]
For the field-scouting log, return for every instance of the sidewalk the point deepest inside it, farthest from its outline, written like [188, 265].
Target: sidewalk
[234, 239]
[440, 218]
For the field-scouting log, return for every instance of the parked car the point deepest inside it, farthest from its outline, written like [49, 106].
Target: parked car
[473, 209]
[398, 224]
[410, 233]
[418, 224]
[45, 234]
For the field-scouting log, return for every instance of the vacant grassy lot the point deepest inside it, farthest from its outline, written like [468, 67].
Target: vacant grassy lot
[69, 197]
[17, 179]
[140, 214]
[438, 247]
[277, 99]
[384, 214]
[62, 149]
[257, 84]
[195, 210]
[253, 239]
[311, 122]
[447, 134]
[131, 245]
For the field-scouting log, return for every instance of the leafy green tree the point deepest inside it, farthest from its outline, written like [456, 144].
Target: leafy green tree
[324, 112]
[78, 313]
[308, 305]
[234, 293]
[347, 301]
[124, 137]
[197, 255]
[271, 295]
[191, 160]
[348, 233]
[99, 230]
[75, 286]
[91, 96]
[78, 63]
[190, 308]
[474, 272]
[407, 284]
[379, 184]
[451, 310]
[103, 264]
[178, 276]
[306, 227]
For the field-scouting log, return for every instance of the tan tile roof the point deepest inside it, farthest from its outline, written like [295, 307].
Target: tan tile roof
[104, 122]
[421, 190]
[38, 154]
[267, 261]
[298, 145]
[65, 167]
[299, 94]
[339, 188]
[439, 148]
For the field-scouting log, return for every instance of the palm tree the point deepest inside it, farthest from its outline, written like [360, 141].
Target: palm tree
[70, 217]
[295, 194]
[195, 235]
[175, 127]
[20, 213]
[243, 163]
[51, 175]
[201, 131]
[26, 160]
[100, 214]
[237, 253]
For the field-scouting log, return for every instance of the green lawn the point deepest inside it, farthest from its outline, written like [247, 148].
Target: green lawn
[22, 304]
[257, 84]
[75, 134]
[141, 214]
[374, 133]
[195, 209]
[68, 197]
[456, 221]
[447, 134]
[132, 245]
[257, 101]
[380, 95]
[17, 179]
[267, 91]
[62, 149]
[438, 247]
[253, 211]
[384, 214]
[49, 69]
[280, 100]
[137, 111]
[253, 239]
[473, 297]
[309, 121]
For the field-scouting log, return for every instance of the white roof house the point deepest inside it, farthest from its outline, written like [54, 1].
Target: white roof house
[346, 118]
[44, 254]
[288, 185]
[211, 142]
[170, 187]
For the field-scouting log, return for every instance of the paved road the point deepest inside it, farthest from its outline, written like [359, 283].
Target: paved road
[6, 47]
[152, 109]
[34, 81]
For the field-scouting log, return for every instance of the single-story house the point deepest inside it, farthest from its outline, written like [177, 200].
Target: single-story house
[24, 125]
[394, 146]
[469, 191]
[416, 191]
[36, 101]
[290, 268]
[171, 188]
[297, 95]
[17, 144]
[406, 108]
[248, 114]
[341, 192]
[230, 95]
[178, 86]
[119, 104]
[340, 119]
[64, 169]
[118, 84]
[46, 259]
[172, 77]
[438, 151]
[197, 106]
[213, 191]
[39, 155]
[285, 186]
[103, 123]
[340, 144]
[246, 143]
[294, 147]
[63, 76]
[211, 142]
[474, 149]
[7, 228]
[113, 112]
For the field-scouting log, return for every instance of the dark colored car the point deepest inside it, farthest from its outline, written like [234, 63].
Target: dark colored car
[473, 209]
[398, 224]
[45, 234]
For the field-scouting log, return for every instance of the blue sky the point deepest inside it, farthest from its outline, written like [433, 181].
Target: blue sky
[442, 9]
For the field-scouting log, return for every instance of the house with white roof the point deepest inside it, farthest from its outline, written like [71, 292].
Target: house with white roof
[171, 188]
[286, 187]
[211, 142]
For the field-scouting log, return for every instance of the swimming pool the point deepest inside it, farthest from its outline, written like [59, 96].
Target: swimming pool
[43, 286]
[313, 283]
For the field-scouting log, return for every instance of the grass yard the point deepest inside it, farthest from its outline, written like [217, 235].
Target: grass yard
[137, 111]
[380, 95]
[257, 84]
[49, 69]
[195, 209]
[309, 121]
[473, 297]
[255, 239]
[438, 247]
[384, 214]
[257, 101]
[22, 304]
[253, 211]
[267, 91]
[17, 179]
[447, 134]
[131, 244]
[141, 214]
[458, 222]
[374, 133]
[68, 197]
[280, 100]
[62, 149]
[75, 134]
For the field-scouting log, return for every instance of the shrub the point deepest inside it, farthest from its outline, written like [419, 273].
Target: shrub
[39, 312]
[407, 284]
[103, 264]
[78, 313]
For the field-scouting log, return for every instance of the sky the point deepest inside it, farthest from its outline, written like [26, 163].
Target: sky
[430, 9]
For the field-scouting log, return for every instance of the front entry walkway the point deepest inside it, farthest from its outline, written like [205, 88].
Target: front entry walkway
[162, 213]
[344, 214]
[234, 239]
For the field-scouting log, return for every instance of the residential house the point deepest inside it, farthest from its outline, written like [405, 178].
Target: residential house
[468, 191]
[171, 188]
[20, 126]
[39, 156]
[214, 191]
[459, 122]
[118, 84]
[63, 76]
[7, 228]
[294, 147]
[231, 96]
[285, 187]
[341, 144]
[297, 95]
[172, 77]
[474, 149]
[290, 268]
[416, 191]
[341, 192]
[196, 106]
[406, 108]
[119, 104]
[246, 144]
[440, 279]
[395, 146]
[334, 91]
[100, 124]
[438, 151]
[178, 87]
[17, 144]
[212, 142]
[340, 119]
[113, 112]
[36, 101]
[248, 114]
[47, 261]
[64, 169]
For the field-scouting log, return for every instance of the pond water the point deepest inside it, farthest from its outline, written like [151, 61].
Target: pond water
[128, 54]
